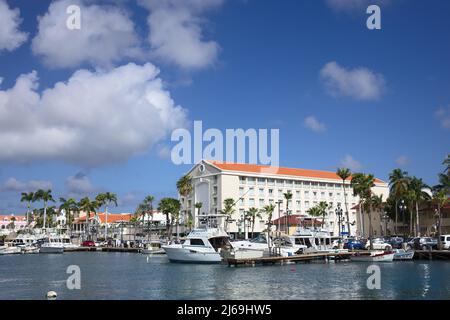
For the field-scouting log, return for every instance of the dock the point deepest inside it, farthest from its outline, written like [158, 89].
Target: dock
[272, 260]
[103, 249]
[432, 255]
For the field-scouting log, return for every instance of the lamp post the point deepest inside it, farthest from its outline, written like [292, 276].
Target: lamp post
[385, 219]
[279, 214]
[402, 208]
[339, 212]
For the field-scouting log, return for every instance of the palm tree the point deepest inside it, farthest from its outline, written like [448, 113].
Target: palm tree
[377, 202]
[440, 198]
[11, 224]
[184, 187]
[88, 206]
[314, 212]
[145, 208]
[323, 206]
[344, 174]
[171, 208]
[252, 214]
[446, 163]
[416, 187]
[198, 206]
[288, 197]
[106, 199]
[268, 210]
[398, 185]
[68, 206]
[362, 186]
[228, 210]
[46, 196]
[28, 198]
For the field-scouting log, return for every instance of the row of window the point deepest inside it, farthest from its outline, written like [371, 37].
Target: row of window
[308, 194]
[292, 204]
[288, 183]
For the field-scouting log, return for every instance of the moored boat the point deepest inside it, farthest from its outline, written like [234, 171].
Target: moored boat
[374, 256]
[402, 254]
[10, 248]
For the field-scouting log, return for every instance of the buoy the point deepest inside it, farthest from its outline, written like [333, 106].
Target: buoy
[51, 295]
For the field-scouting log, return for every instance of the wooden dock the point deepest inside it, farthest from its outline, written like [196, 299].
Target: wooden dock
[307, 257]
[432, 255]
[103, 249]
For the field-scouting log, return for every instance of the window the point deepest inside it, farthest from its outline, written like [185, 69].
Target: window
[289, 183]
[251, 201]
[251, 181]
[261, 191]
[297, 194]
[298, 203]
[242, 202]
[271, 201]
[251, 191]
[270, 192]
[215, 201]
[322, 195]
[279, 182]
[214, 190]
[261, 181]
[197, 242]
[261, 202]
[307, 204]
[215, 179]
[271, 182]
[241, 180]
[306, 194]
[241, 191]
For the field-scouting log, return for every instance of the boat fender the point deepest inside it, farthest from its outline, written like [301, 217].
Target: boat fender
[51, 295]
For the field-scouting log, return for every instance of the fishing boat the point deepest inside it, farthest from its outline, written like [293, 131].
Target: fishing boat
[9, 248]
[153, 247]
[52, 244]
[374, 256]
[28, 249]
[315, 240]
[402, 254]
[282, 245]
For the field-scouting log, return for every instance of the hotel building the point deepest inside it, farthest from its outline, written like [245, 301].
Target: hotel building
[256, 186]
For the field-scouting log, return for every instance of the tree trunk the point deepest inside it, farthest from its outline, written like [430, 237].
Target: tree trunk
[346, 209]
[106, 223]
[396, 217]
[417, 219]
[361, 220]
[439, 228]
[370, 227]
[45, 213]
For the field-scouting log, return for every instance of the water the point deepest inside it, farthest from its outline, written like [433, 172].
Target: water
[131, 276]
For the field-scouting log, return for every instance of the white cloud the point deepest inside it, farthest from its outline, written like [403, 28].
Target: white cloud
[94, 118]
[176, 34]
[79, 184]
[359, 83]
[10, 36]
[315, 125]
[353, 5]
[443, 115]
[402, 160]
[12, 184]
[106, 36]
[352, 164]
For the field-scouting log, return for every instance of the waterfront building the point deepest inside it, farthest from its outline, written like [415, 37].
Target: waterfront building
[12, 223]
[256, 186]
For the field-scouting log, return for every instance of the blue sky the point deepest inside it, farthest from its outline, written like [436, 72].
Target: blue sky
[339, 93]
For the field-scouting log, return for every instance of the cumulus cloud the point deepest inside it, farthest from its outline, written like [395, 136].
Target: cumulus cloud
[315, 125]
[359, 83]
[443, 115]
[10, 35]
[91, 119]
[79, 184]
[353, 5]
[402, 160]
[351, 163]
[12, 184]
[176, 34]
[107, 35]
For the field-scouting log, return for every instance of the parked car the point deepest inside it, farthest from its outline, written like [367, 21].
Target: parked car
[422, 243]
[379, 244]
[353, 244]
[445, 241]
[88, 243]
[396, 242]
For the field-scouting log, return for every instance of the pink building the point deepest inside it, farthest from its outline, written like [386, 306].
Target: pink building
[20, 222]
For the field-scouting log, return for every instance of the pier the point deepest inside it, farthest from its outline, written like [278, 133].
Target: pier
[103, 249]
[307, 257]
[432, 255]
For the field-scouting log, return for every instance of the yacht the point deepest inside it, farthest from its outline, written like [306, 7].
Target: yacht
[283, 245]
[53, 244]
[202, 245]
[315, 240]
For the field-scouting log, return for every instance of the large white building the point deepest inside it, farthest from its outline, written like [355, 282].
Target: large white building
[256, 186]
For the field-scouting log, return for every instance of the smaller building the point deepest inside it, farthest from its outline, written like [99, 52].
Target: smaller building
[294, 221]
[12, 223]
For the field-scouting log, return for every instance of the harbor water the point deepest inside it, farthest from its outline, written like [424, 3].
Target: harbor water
[136, 276]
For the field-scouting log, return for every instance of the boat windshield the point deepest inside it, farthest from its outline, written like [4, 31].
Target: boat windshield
[259, 239]
[219, 242]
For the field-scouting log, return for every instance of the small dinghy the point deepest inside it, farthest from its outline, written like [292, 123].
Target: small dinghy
[374, 256]
[402, 254]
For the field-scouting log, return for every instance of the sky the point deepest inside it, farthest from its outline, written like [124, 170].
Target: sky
[89, 110]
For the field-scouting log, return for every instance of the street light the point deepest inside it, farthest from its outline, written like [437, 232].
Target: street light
[279, 202]
[402, 208]
[339, 212]
[385, 219]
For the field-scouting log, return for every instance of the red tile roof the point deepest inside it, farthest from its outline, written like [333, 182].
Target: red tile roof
[8, 217]
[254, 168]
[296, 219]
[112, 217]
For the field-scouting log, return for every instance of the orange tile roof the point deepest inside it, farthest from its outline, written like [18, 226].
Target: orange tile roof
[112, 217]
[8, 217]
[254, 168]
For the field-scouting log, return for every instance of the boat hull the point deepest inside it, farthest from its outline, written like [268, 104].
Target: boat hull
[179, 254]
[51, 250]
[403, 255]
[11, 250]
[384, 257]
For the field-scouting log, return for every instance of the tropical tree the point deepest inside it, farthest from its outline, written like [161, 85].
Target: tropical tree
[88, 206]
[288, 197]
[314, 212]
[28, 198]
[417, 188]
[252, 214]
[170, 207]
[46, 196]
[440, 198]
[398, 185]
[268, 210]
[184, 187]
[344, 174]
[106, 199]
[323, 207]
[362, 186]
[198, 206]
[446, 163]
[145, 208]
[11, 225]
[228, 210]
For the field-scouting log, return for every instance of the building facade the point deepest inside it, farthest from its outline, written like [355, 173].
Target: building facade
[257, 186]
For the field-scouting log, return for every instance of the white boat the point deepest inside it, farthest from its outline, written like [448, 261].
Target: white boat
[30, 249]
[52, 244]
[201, 246]
[10, 248]
[374, 256]
[402, 254]
[153, 247]
[315, 240]
[257, 247]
